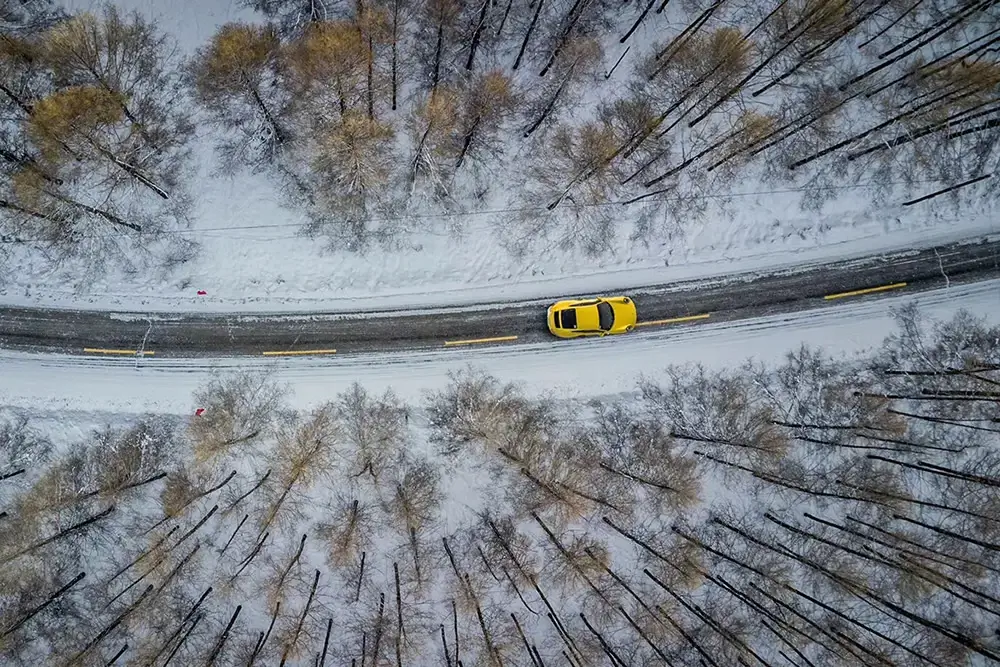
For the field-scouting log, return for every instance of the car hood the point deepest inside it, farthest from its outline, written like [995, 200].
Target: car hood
[625, 314]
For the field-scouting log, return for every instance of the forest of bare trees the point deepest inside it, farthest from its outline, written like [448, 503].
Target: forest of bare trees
[560, 118]
[815, 512]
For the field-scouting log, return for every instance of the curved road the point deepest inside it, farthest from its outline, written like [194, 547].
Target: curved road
[728, 298]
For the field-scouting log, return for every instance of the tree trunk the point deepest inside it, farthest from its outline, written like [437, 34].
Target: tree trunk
[928, 69]
[158, 476]
[527, 34]
[378, 630]
[326, 643]
[608, 650]
[866, 594]
[224, 636]
[40, 608]
[80, 525]
[892, 23]
[120, 98]
[196, 527]
[129, 169]
[256, 486]
[177, 568]
[989, 546]
[566, 31]
[513, 584]
[487, 638]
[110, 217]
[674, 45]
[670, 172]
[361, 577]
[298, 626]
[27, 211]
[507, 550]
[117, 655]
[444, 645]
[635, 26]
[370, 78]
[905, 540]
[645, 637]
[114, 624]
[16, 99]
[568, 557]
[489, 568]
[939, 470]
[708, 620]
[395, 48]
[548, 108]
[635, 540]
[777, 481]
[922, 32]
[938, 193]
[467, 142]
[28, 162]
[607, 75]
[279, 134]
[812, 53]
[249, 559]
[687, 637]
[520, 633]
[796, 29]
[233, 536]
[891, 121]
[264, 636]
[477, 34]
[180, 628]
[836, 641]
[454, 623]
[939, 420]
[503, 19]
[908, 499]
[291, 563]
[934, 580]
[194, 624]
[143, 554]
[959, 17]
[436, 76]
[400, 630]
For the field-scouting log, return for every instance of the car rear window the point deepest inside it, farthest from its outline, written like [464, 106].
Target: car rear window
[569, 318]
[606, 315]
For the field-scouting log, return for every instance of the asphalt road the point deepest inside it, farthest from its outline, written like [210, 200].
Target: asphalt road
[728, 298]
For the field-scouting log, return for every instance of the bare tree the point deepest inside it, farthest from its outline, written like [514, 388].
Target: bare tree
[295, 16]
[233, 78]
[374, 431]
[240, 411]
[353, 173]
[302, 457]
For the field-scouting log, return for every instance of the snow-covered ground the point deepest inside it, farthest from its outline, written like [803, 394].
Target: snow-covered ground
[51, 384]
[253, 258]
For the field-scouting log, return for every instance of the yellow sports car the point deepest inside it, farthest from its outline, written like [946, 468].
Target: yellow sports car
[592, 317]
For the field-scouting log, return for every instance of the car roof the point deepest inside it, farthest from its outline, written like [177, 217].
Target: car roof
[587, 317]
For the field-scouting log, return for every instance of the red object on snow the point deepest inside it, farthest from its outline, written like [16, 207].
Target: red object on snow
[199, 412]
[202, 292]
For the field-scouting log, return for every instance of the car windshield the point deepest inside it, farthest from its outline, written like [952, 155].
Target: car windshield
[606, 315]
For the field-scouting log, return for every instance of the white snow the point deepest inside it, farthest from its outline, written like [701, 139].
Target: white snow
[270, 268]
[252, 258]
[53, 383]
